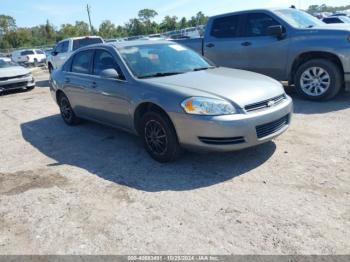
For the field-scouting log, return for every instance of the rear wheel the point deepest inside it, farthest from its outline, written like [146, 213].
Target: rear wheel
[159, 137]
[67, 112]
[318, 79]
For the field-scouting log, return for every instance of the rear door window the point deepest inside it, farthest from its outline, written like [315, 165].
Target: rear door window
[257, 24]
[226, 27]
[27, 52]
[332, 20]
[82, 62]
[78, 43]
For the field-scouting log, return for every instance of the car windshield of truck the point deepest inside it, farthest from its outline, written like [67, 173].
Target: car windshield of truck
[298, 19]
[146, 61]
[78, 43]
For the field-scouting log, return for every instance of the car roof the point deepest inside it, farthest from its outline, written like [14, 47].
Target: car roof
[251, 11]
[139, 43]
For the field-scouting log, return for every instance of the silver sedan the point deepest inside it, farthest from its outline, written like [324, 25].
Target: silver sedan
[170, 96]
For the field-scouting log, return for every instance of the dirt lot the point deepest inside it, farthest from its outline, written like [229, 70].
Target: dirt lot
[93, 190]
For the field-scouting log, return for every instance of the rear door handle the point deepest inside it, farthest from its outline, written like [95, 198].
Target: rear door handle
[210, 45]
[246, 44]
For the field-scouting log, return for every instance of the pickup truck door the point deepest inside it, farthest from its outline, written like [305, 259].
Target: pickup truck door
[267, 54]
[223, 43]
[60, 54]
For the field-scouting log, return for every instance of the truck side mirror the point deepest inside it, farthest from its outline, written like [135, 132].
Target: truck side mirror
[276, 30]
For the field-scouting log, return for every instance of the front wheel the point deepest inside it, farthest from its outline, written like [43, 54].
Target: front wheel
[159, 137]
[318, 79]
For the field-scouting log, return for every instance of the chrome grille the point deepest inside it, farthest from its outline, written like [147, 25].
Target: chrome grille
[265, 104]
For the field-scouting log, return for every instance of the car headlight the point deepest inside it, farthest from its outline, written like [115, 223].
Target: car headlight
[207, 106]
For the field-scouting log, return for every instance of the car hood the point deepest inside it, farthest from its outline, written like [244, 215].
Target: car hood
[340, 27]
[13, 71]
[238, 86]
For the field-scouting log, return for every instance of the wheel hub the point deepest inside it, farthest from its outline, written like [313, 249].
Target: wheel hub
[315, 81]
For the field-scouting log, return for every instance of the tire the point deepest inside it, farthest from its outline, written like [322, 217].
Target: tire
[67, 112]
[30, 88]
[318, 79]
[164, 148]
[50, 68]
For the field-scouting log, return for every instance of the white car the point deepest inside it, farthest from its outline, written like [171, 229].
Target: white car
[29, 57]
[66, 47]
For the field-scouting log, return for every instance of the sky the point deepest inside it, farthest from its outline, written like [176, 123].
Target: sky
[34, 12]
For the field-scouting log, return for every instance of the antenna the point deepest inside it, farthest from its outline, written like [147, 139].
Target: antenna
[88, 9]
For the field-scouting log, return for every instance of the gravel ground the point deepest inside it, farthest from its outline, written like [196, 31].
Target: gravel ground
[93, 190]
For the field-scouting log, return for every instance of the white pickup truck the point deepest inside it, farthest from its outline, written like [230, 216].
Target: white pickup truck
[66, 47]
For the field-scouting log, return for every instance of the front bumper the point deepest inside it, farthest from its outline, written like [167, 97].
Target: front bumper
[232, 132]
[17, 83]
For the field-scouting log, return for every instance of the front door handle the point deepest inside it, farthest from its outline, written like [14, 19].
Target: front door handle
[246, 44]
[210, 45]
[94, 84]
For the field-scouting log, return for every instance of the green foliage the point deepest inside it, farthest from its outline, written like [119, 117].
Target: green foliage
[47, 34]
[325, 8]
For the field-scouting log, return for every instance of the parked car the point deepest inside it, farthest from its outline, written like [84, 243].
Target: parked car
[336, 20]
[5, 59]
[66, 47]
[29, 57]
[13, 76]
[286, 44]
[171, 96]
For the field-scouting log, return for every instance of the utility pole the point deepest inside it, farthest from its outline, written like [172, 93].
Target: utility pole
[88, 9]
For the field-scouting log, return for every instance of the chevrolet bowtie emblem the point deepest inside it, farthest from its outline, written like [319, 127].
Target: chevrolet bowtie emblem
[270, 103]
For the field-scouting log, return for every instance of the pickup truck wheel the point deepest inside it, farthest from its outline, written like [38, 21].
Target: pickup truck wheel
[159, 137]
[318, 79]
[67, 112]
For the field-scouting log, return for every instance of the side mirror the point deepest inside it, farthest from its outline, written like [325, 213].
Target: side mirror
[54, 53]
[110, 73]
[275, 30]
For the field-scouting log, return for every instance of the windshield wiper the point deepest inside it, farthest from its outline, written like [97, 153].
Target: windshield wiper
[161, 74]
[203, 68]
[310, 26]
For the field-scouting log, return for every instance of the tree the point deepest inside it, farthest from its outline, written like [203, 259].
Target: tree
[146, 16]
[183, 23]
[7, 24]
[135, 27]
[169, 23]
[107, 29]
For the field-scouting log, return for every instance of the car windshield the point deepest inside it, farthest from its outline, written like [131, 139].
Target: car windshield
[345, 19]
[298, 19]
[4, 64]
[159, 60]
